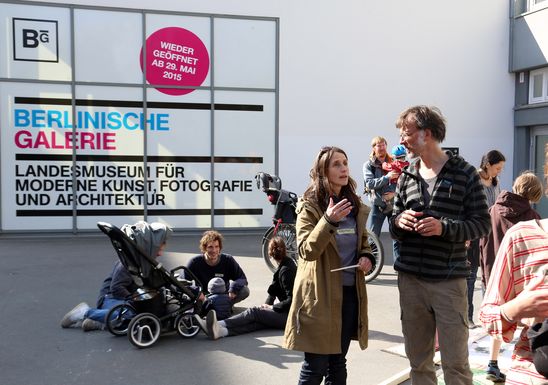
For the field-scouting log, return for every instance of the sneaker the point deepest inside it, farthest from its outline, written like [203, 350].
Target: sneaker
[88, 325]
[201, 323]
[213, 330]
[494, 374]
[75, 315]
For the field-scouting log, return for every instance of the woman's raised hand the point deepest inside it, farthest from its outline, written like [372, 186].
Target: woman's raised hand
[337, 212]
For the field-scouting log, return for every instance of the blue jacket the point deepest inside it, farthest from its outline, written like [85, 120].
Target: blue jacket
[376, 180]
[222, 305]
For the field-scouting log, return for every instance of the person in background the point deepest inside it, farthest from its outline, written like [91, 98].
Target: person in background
[399, 155]
[517, 293]
[439, 205]
[329, 305]
[509, 209]
[377, 182]
[212, 263]
[272, 314]
[491, 166]
[119, 285]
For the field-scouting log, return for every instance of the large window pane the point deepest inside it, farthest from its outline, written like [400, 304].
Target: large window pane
[244, 145]
[36, 157]
[107, 46]
[109, 155]
[180, 159]
[178, 52]
[245, 53]
[35, 42]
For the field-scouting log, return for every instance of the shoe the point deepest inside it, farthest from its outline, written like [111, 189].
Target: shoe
[213, 329]
[88, 325]
[201, 323]
[75, 315]
[494, 374]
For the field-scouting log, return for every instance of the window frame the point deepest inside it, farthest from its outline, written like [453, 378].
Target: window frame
[533, 5]
[544, 95]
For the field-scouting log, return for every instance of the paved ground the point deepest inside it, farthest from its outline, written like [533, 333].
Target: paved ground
[43, 276]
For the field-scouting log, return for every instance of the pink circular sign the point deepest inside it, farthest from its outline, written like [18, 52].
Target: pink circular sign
[175, 57]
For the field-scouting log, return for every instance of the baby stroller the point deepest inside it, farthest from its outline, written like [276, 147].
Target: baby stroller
[163, 302]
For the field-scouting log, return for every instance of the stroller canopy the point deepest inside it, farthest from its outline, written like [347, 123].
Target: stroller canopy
[148, 237]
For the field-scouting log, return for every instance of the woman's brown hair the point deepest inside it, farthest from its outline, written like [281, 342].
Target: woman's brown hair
[318, 188]
[277, 249]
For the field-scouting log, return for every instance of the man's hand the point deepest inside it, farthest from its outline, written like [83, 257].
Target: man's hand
[407, 220]
[428, 227]
[393, 174]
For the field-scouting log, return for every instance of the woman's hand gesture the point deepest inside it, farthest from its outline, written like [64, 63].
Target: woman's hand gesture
[337, 212]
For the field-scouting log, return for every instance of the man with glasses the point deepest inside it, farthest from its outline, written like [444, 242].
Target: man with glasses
[438, 206]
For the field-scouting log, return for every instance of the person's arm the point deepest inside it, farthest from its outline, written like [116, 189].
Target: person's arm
[270, 300]
[313, 234]
[287, 279]
[372, 182]
[121, 282]
[236, 276]
[516, 290]
[500, 289]
[194, 266]
[399, 196]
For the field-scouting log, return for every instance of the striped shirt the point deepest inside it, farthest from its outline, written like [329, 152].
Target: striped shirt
[458, 201]
[522, 255]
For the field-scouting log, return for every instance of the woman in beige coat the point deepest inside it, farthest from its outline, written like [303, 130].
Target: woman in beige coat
[329, 307]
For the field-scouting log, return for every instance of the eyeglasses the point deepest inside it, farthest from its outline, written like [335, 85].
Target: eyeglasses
[406, 135]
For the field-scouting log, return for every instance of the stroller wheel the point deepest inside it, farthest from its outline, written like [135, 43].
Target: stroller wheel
[144, 330]
[186, 326]
[119, 317]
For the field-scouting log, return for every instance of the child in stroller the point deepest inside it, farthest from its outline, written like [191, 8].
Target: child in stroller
[159, 301]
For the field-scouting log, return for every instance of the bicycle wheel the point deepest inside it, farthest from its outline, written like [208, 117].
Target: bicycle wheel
[378, 253]
[288, 234]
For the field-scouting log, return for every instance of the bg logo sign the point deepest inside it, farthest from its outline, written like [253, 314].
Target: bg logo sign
[35, 40]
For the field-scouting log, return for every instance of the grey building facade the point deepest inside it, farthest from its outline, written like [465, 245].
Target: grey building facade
[529, 62]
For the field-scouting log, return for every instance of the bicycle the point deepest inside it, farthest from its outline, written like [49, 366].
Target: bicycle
[284, 220]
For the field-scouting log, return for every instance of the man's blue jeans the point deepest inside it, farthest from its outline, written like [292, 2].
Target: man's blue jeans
[100, 314]
[376, 219]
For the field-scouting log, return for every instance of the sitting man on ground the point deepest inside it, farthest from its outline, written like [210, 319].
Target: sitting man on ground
[270, 315]
[119, 285]
[212, 263]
